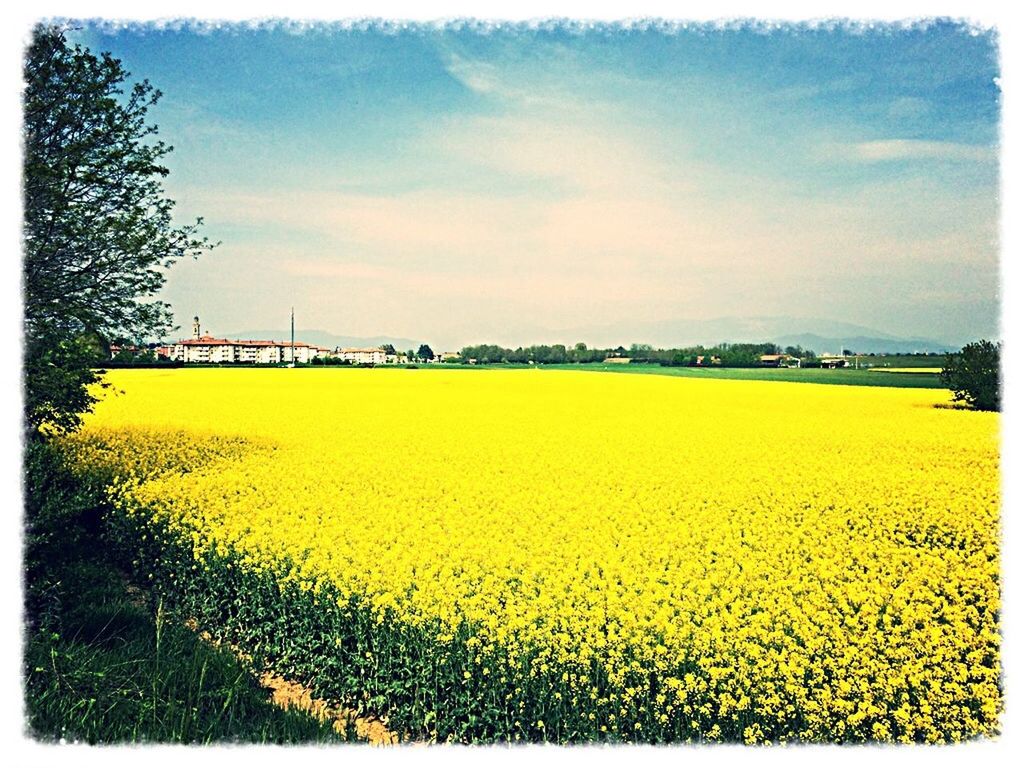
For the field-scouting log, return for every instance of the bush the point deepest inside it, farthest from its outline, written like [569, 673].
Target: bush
[973, 375]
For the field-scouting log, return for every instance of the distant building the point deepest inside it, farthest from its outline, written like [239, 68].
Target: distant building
[116, 349]
[780, 361]
[304, 353]
[362, 355]
[829, 361]
[618, 360]
[207, 349]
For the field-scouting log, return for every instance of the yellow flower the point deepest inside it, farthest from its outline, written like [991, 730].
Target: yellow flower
[716, 549]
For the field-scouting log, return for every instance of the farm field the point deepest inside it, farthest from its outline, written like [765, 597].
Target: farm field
[845, 376]
[904, 361]
[547, 555]
[915, 371]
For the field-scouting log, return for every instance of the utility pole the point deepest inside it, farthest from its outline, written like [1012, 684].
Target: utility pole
[292, 363]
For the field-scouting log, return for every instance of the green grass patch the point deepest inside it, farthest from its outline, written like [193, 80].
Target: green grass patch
[903, 361]
[844, 376]
[103, 665]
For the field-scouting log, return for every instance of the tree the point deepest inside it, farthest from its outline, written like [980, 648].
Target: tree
[640, 351]
[973, 375]
[125, 355]
[425, 353]
[98, 233]
[387, 349]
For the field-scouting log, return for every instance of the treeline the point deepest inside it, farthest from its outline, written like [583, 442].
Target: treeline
[140, 361]
[724, 354]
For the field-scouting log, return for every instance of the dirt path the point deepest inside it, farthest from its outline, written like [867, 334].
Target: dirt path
[287, 694]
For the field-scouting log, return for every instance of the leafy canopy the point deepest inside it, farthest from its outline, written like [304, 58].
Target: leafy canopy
[973, 375]
[98, 230]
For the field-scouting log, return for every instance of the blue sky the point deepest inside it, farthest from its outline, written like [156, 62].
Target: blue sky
[514, 185]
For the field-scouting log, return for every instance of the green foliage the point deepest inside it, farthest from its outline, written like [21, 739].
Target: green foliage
[800, 352]
[425, 353]
[57, 378]
[973, 375]
[135, 355]
[731, 355]
[103, 666]
[61, 515]
[98, 232]
[104, 670]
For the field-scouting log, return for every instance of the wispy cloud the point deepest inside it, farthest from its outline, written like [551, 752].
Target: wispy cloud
[582, 178]
[478, 76]
[912, 149]
[584, 151]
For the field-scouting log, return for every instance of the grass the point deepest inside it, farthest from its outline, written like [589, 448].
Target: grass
[863, 377]
[903, 361]
[858, 377]
[103, 665]
[915, 370]
[844, 376]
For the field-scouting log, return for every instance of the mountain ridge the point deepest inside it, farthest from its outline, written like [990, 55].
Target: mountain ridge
[818, 334]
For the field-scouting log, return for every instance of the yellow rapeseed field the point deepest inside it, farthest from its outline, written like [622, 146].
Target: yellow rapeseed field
[568, 555]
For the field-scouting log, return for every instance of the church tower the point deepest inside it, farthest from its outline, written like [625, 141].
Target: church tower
[195, 327]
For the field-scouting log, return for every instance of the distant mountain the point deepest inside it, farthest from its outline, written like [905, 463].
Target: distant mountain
[325, 339]
[887, 345]
[818, 334]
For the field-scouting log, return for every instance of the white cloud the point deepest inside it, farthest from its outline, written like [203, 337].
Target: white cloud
[478, 76]
[579, 211]
[913, 149]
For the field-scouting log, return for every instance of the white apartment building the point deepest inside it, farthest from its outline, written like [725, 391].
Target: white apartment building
[304, 353]
[206, 349]
[362, 355]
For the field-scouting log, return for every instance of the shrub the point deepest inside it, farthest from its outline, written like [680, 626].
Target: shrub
[973, 375]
